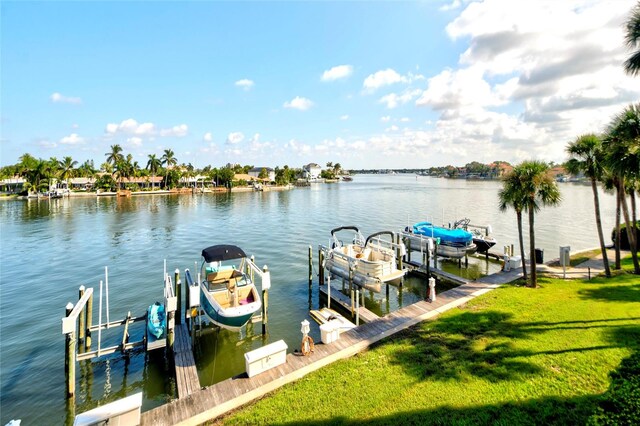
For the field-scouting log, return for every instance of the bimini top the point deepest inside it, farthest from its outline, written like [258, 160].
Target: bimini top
[446, 235]
[222, 252]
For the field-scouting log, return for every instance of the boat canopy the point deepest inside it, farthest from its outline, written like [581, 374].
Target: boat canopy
[222, 252]
[446, 235]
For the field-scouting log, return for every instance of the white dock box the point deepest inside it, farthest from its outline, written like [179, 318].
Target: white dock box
[330, 331]
[266, 357]
[515, 262]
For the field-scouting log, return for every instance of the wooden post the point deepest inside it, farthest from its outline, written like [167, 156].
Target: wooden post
[187, 304]
[67, 312]
[466, 261]
[399, 251]
[265, 306]
[81, 322]
[351, 287]
[329, 292]
[357, 307]
[320, 267]
[179, 301]
[310, 268]
[70, 357]
[89, 312]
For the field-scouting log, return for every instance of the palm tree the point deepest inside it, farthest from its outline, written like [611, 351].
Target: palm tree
[153, 165]
[632, 38]
[539, 189]
[587, 156]
[622, 144]
[115, 155]
[168, 159]
[67, 169]
[511, 196]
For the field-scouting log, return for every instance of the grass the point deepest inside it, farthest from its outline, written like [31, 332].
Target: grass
[514, 356]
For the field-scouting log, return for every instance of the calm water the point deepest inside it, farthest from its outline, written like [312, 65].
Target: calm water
[48, 250]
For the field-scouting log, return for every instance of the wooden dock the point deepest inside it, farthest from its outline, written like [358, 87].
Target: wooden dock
[187, 380]
[344, 301]
[418, 268]
[219, 399]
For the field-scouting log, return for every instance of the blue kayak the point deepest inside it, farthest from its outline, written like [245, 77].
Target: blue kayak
[156, 320]
[455, 236]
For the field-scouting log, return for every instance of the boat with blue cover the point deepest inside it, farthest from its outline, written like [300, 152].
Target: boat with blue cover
[453, 243]
[228, 295]
[156, 320]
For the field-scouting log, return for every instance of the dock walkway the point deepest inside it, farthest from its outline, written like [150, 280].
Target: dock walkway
[336, 296]
[187, 380]
[218, 399]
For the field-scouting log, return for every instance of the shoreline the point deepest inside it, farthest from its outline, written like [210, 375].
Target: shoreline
[181, 191]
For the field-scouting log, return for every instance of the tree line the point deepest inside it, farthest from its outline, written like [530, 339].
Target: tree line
[119, 169]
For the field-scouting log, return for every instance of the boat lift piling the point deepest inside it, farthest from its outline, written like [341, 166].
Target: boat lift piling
[82, 330]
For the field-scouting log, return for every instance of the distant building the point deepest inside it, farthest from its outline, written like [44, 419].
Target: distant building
[271, 174]
[311, 171]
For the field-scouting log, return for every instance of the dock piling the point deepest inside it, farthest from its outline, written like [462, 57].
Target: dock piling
[329, 292]
[89, 320]
[70, 356]
[321, 266]
[179, 296]
[81, 322]
[265, 305]
[310, 268]
[357, 307]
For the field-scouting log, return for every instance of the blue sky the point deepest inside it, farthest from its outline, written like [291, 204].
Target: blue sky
[365, 84]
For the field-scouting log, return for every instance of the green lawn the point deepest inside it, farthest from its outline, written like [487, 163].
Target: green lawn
[512, 356]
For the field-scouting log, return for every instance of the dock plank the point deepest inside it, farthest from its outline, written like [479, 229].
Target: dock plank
[187, 381]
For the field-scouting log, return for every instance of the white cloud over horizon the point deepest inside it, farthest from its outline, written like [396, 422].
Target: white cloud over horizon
[299, 103]
[337, 72]
[245, 84]
[57, 97]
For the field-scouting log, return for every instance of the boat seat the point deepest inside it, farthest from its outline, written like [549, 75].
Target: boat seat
[220, 277]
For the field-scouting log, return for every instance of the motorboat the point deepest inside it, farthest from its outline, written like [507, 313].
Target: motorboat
[369, 263]
[228, 295]
[483, 241]
[156, 320]
[451, 243]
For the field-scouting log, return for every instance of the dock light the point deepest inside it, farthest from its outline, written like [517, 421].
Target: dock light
[305, 328]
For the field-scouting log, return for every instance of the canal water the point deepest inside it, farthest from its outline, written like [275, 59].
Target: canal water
[48, 249]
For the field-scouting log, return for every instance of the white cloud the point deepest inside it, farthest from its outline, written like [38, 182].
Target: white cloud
[393, 100]
[338, 72]
[59, 98]
[299, 103]
[393, 128]
[245, 84]
[385, 119]
[455, 4]
[344, 117]
[208, 137]
[176, 131]
[383, 78]
[131, 127]
[405, 119]
[75, 126]
[72, 139]
[235, 138]
[297, 148]
[134, 141]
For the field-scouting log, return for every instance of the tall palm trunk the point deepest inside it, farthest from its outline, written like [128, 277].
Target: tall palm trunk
[631, 235]
[618, 265]
[521, 240]
[532, 250]
[596, 203]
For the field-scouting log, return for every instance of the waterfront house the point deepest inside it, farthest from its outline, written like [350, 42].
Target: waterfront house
[271, 173]
[311, 171]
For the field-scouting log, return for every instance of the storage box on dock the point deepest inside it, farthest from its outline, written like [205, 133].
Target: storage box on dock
[330, 331]
[266, 357]
[515, 262]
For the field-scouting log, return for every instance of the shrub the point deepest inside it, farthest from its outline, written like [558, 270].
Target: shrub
[621, 402]
[624, 239]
